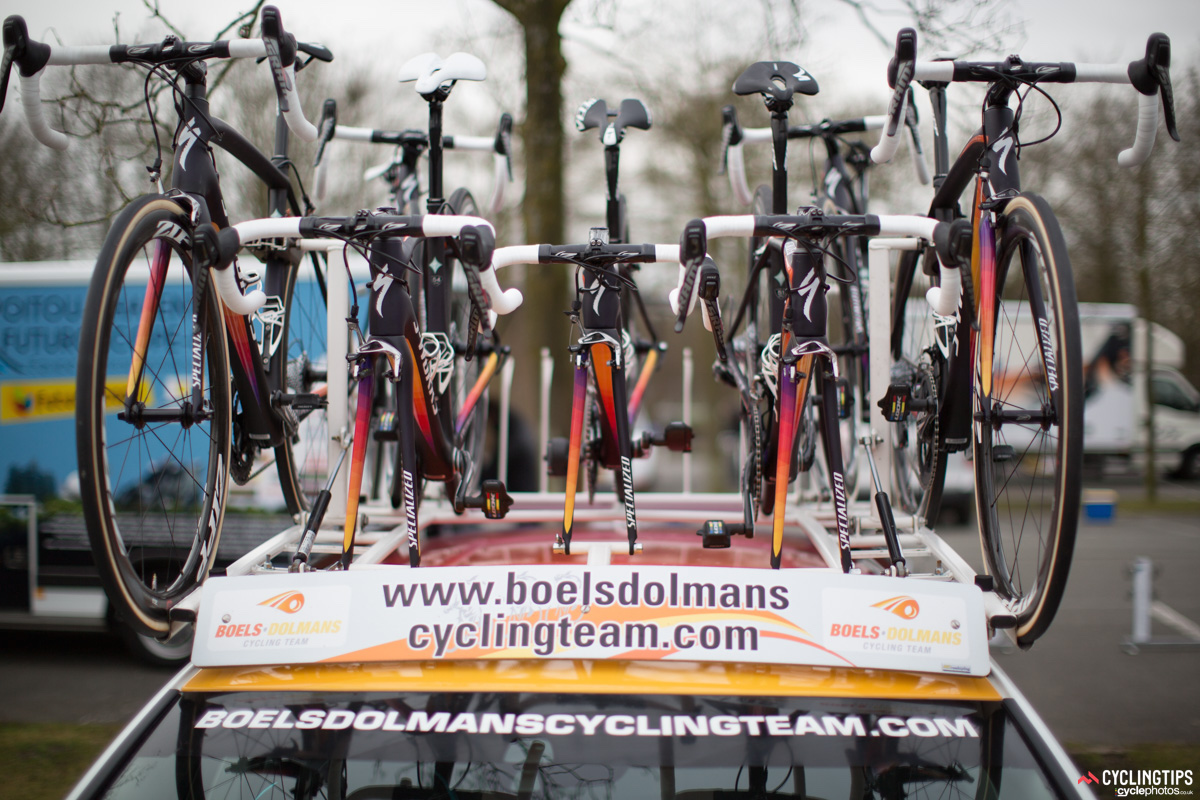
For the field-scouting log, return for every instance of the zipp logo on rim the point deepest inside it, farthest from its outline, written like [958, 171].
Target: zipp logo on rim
[169, 230]
[289, 602]
[902, 606]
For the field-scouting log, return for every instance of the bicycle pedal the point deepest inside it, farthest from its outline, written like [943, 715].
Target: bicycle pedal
[387, 431]
[308, 402]
[845, 399]
[718, 535]
[494, 500]
[678, 437]
[895, 402]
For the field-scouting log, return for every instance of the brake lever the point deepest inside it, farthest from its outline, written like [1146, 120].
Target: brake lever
[475, 245]
[710, 291]
[1153, 73]
[731, 134]
[504, 140]
[693, 248]
[5, 69]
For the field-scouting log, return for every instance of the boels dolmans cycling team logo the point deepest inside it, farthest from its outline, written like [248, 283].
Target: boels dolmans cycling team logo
[288, 602]
[316, 617]
[903, 607]
[896, 624]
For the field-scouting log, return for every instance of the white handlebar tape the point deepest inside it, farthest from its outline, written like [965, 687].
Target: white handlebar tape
[268, 228]
[504, 301]
[231, 295]
[515, 254]
[944, 299]
[736, 167]
[1147, 128]
[31, 101]
[942, 71]
[888, 144]
[729, 225]
[499, 178]
[352, 134]
[295, 113]
[247, 48]
[64, 56]
[907, 225]
[755, 135]
[481, 143]
[451, 224]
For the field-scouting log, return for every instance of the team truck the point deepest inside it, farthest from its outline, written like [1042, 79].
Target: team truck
[1116, 371]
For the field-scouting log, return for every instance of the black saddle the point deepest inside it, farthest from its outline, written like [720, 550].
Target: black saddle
[777, 81]
[595, 114]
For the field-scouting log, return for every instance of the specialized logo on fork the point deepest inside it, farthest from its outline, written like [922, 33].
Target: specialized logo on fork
[843, 517]
[410, 508]
[1048, 353]
[627, 476]
[197, 353]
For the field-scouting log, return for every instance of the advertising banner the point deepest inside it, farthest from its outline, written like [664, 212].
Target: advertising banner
[707, 614]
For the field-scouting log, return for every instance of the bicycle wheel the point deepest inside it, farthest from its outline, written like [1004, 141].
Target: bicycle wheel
[920, 348]
[153, 469]
[296, 344]
[764, 371]
[847, 333]
[1029, 420]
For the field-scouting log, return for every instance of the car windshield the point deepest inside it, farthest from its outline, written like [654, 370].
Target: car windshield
[370, 746]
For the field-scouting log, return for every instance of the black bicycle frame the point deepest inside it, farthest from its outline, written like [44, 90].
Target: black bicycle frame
[994, 166]
[194, 175]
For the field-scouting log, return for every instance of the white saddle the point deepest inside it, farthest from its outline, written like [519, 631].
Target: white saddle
[431, 71]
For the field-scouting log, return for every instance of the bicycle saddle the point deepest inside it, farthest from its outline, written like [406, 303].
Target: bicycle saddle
[777, 80]
[431, 71]
[595, 114]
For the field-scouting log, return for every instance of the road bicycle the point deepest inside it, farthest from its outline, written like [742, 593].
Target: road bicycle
[440, 304]
[435, 438]
[1002, 375]
[602, 351]
[841, 188]
[401, 173]
[159, 427]
[639, 338]
[804, 358]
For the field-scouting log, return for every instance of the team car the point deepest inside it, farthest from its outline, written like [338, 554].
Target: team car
[502, 669]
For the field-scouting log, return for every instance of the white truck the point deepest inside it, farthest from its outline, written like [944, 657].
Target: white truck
[1115, 374]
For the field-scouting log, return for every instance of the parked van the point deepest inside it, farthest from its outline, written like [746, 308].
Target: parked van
[1116, 372]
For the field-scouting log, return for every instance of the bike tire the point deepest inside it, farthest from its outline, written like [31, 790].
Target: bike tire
[762, 204]
[1028, 471]
[474, 433]
[848, 328]
[153, 491]
[919, 451]
[298, 364]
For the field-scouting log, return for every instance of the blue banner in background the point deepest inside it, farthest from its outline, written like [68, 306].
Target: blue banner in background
[39, 331]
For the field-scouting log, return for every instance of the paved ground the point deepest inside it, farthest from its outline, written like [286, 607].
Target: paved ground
[1089, 691]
